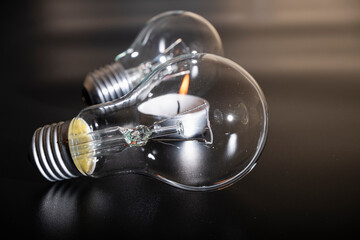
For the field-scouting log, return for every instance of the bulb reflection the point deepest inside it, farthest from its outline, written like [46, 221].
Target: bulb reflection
[190, 153]
[151, 156]
[134, 54]
[231, 145]
[97, 209]
[230, 118]
[58, 209]
[71, 209]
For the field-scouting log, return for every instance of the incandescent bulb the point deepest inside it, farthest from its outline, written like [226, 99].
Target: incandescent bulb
[197, 122]
[165, 36]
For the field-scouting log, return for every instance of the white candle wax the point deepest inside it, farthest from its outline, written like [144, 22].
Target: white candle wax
[192, 111]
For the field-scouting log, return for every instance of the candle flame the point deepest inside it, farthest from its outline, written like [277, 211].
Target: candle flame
[184, 85]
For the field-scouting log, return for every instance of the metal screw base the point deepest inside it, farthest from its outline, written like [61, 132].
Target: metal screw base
[50, 152]
[106, 84]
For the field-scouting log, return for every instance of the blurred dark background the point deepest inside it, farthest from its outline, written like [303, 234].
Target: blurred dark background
[305, 55]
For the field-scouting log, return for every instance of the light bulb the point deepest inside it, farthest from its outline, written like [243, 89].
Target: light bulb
[165, 36]
[197, 122]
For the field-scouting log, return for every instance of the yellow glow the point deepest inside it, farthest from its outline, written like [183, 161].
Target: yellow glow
[78, 131]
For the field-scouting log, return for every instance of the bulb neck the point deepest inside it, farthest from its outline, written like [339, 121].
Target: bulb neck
[106, 84]
[50, 152]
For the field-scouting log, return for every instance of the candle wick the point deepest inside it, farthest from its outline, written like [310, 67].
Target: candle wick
[178, 109]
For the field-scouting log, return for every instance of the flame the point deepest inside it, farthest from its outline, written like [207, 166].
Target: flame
[184, 85]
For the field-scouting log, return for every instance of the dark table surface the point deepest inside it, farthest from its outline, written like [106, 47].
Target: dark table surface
[305, 55]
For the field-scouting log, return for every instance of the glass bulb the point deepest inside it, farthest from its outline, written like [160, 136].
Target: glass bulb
[197, 122]
[165, 36]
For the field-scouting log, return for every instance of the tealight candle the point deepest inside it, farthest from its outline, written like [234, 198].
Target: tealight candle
[192, 111]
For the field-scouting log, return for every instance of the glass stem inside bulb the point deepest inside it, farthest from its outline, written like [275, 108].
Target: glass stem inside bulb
[100, 142]
[159, 131]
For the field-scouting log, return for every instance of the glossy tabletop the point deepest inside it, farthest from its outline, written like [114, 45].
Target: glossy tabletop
[305, 55]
